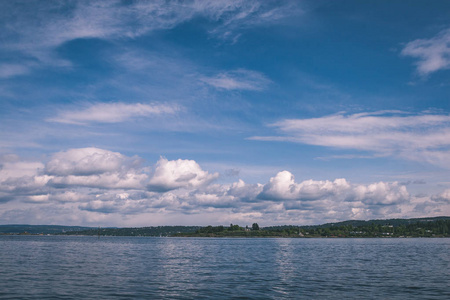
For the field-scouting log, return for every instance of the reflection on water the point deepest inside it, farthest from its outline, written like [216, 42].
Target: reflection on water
[190, 268]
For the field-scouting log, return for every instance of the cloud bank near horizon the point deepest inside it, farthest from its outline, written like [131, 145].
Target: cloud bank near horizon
[92, 185]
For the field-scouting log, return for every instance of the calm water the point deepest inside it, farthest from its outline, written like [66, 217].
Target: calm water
[51, 267]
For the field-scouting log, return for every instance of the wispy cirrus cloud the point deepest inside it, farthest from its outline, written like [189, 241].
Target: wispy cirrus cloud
[254, 13]
[433, 54]
[239, 79]
[112, 113]
[424, 137]
[11, 70]
[35, 36]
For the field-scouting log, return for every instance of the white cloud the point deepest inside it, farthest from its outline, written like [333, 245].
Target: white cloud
[433, 54]
[93, 167]
[68, 196]
[37, 198]
[236, 195]
[16, 169]
[88, 161]
[381, 193]
[116, 202]
[100, 206]
[245, 192]
[442, 197]
[19, 178]
[246, 14]
[38, 28]
[112, 113]
[88, 184]
[283, 187]
[423, 137]
[174, 174]
[11, 70]
[116, 180]
[240, 79]
[212, 200]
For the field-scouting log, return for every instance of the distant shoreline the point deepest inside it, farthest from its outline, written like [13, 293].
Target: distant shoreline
[438, 227]
[229, 237]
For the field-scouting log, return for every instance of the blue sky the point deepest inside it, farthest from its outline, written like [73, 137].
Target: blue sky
[134, 113]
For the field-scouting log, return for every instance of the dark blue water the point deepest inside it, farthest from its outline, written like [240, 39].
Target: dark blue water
[50, 267]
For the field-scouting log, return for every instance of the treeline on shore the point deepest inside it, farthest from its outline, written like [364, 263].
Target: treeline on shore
[421, 227]
[137, 231]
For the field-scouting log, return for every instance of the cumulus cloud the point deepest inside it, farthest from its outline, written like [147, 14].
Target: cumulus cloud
[69, 196]
[94, 167]
[112, 113]
[37, 198]
[100, 206]
[174, 174]
[381, 193]
[213, 200]
[283, 187]
[16, 169]
[118, 205]
[116, 180]
[88, 161]
[433, 54]
[21, 178]
[240, 79]
[93, 182]
[116, 201]
[236, 195]
[424, 137]
[243, 191]
[442, 197]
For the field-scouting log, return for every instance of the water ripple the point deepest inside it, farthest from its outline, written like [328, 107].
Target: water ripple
[193, 268]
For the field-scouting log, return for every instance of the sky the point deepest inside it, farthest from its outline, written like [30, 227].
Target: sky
[145, 113]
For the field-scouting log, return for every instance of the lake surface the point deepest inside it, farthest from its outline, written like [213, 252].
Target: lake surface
[63, 267]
